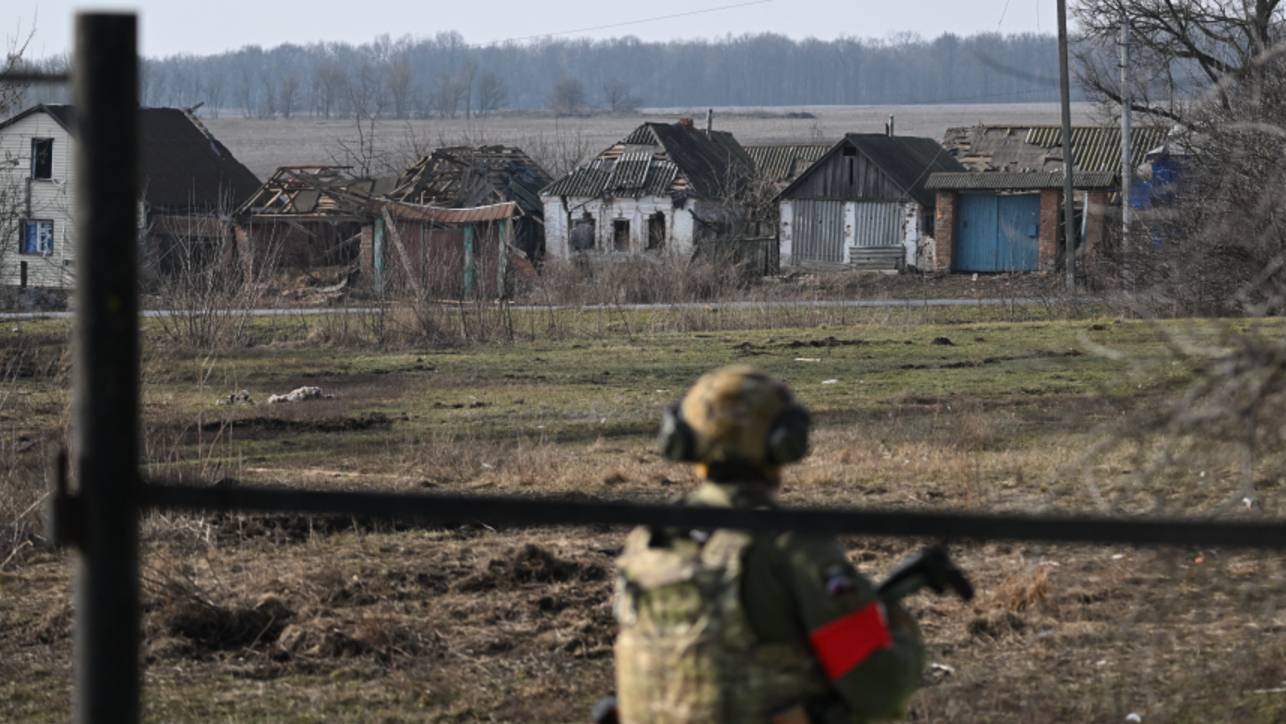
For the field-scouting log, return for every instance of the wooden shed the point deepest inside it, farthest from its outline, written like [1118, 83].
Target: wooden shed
[863, 203]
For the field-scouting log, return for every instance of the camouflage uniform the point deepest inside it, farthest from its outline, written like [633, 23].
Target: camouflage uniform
[741, 627]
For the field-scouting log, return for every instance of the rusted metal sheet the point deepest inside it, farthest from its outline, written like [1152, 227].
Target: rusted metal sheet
[477, 214]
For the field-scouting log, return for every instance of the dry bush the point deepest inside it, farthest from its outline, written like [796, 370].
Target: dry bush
[205, 301]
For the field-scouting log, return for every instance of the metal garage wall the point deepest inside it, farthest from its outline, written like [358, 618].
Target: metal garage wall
[819, 231]
[877, 223]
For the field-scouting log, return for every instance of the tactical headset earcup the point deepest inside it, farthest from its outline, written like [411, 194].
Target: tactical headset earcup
[677, 441]
[788, 437]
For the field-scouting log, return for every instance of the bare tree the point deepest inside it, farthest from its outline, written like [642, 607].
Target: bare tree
[492, 93]
[401, 83]
[567, 97]
[449, 95]
[1181, 49]
[287, 93]
[329, 84]
[12, 194]
[618, 98]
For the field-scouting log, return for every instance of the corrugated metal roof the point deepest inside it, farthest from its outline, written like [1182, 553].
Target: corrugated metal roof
[676, 158]
[1006, 181]
[784, 162]
[1039, 148]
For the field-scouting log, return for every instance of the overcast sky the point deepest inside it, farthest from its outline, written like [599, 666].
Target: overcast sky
[211, 26]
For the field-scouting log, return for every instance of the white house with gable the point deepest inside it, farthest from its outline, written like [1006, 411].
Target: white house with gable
[191, 183]
[659, 190]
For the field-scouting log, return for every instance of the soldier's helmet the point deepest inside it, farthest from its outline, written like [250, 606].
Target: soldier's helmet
[736, 416]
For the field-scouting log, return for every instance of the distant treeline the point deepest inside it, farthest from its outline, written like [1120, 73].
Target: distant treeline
[445, 76]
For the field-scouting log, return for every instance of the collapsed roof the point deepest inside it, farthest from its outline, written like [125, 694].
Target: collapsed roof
[661, 159]
[1019, 149]
[317, 192]
[468, 176]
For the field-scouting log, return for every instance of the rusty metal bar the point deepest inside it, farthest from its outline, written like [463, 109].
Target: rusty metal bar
[105, 368]
[435, 510]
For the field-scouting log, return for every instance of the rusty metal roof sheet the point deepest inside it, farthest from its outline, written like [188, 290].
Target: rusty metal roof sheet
[441, 215]
[1028, 181]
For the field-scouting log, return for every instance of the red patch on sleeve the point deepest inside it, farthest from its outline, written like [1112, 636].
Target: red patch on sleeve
[846, 642]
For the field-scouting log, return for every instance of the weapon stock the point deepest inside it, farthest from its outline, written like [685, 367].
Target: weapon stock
[932, 569]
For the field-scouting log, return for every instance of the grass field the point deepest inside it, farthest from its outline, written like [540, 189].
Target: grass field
[286, 618]
[263, 145]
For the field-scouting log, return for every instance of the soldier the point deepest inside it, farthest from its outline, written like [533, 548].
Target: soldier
[729, 626]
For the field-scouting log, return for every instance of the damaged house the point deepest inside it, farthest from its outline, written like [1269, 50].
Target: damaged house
[305, 217]
[661, 189]
[1004, 212]
[863, 203]
[471, 176]
[190, 184]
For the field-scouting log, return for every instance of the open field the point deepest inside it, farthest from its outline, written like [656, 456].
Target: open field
[251, 618]
[263, 145]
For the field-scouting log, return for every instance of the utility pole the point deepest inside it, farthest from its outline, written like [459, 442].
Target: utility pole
[1127, 164]
[1069, 203]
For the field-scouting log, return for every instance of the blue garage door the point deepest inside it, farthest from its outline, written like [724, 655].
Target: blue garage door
[997, 233]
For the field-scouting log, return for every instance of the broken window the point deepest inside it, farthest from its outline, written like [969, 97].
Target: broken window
[42, 158]
[583, 233]
[621, 234]
[656, 231]
[36, 237]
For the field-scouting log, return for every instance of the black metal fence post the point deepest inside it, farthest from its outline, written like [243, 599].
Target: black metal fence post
[105, 369]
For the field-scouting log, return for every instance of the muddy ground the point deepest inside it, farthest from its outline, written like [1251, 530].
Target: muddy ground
[292, 618]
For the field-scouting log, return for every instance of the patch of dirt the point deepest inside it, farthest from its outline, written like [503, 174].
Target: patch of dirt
[530, 564]
[985, 361]
[367, 421]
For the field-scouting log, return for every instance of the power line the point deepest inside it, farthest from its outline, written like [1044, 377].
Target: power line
[1003, 12]
[639, 21]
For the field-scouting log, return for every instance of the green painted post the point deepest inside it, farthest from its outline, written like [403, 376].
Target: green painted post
[378, 253]
[502, 260]
[470, 273]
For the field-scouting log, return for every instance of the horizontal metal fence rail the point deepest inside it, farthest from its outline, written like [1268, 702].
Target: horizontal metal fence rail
[438, 509]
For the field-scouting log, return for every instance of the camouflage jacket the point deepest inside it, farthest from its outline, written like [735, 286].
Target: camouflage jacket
[734, 627]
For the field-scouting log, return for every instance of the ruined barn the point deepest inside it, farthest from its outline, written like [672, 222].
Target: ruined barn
[459, 177]
[305, 217]
[661, 189]
[191, 183]
[863, 203]
[436, 253]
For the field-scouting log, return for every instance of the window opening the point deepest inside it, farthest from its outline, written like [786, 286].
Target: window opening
[42, 158]
[621, 234]
[656, 231]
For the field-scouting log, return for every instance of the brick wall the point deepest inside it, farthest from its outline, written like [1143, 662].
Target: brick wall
[944, 230]
[1049, 229]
